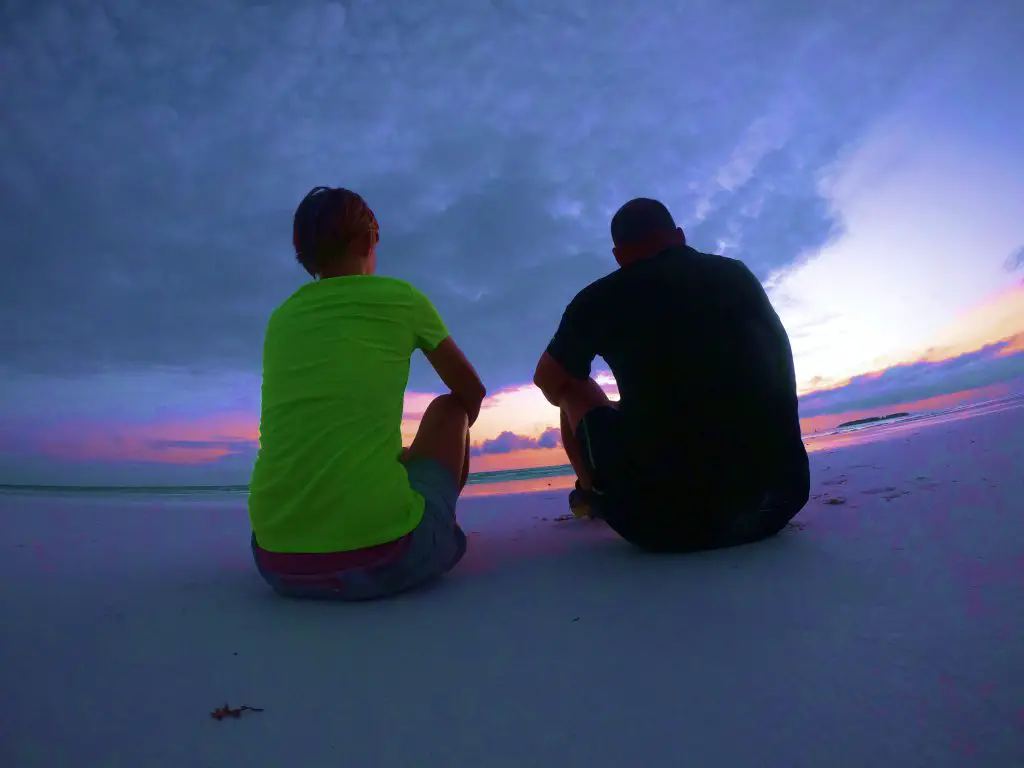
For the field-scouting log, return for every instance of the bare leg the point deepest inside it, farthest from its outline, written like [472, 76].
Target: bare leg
[575, 454]
[465, 465]
[443, 435]
[578, 399]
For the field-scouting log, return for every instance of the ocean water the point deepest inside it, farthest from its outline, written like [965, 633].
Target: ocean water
[476, 478]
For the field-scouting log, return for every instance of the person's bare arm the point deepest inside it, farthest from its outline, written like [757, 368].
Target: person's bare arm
[550, 378]
[568, 357]
[459, 376]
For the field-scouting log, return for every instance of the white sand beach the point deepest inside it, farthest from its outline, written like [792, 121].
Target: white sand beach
[884, 628]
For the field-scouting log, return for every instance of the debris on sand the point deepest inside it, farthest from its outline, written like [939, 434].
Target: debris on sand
[222, 712]
[886, 489]
[835, 501]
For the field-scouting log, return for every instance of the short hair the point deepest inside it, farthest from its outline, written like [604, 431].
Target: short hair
[639, 219]
[326, 221]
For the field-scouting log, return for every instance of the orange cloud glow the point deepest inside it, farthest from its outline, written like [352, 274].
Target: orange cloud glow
[998, 319]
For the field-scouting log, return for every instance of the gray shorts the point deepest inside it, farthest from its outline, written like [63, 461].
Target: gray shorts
[435, 546]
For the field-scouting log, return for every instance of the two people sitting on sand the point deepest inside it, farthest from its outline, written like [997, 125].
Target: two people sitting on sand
[702, 450]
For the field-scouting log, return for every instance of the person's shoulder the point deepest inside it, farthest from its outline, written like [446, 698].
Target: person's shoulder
[604, 284]
[705, 259]
[726, 267]
[398, 286]
[742, 275]
[410, 293]
[323, 293]
[391, 282]
[382, 288]
[296, 299]
[386, 284]
[596, 292]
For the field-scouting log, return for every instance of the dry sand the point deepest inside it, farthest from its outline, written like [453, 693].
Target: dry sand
[884, 628]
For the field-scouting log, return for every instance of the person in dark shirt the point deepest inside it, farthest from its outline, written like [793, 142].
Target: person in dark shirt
[703, 449]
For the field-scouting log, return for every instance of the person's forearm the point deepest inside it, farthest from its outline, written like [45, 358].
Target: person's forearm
[472, 402]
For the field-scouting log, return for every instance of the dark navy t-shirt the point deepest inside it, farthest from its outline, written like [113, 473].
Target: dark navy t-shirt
[704, 370]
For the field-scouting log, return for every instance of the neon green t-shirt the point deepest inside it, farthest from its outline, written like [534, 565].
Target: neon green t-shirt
[335, 367]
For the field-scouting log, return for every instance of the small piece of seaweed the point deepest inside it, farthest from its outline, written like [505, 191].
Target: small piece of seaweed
[221, 712]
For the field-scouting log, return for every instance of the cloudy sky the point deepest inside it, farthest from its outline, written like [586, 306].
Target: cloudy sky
[866, 160]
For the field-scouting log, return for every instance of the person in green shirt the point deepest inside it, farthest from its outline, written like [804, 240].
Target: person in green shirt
[339, 509]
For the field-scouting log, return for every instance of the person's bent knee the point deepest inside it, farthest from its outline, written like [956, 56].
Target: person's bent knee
[586, 390]
[448, 407]
[443, 435]
[580, 397]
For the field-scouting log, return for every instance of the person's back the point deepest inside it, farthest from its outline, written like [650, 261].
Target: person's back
[336, 363]
[704, 373]
[339, 509]
[705, 439]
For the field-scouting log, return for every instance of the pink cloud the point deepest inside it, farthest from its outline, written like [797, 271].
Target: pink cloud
[195, 441]
[507, 442]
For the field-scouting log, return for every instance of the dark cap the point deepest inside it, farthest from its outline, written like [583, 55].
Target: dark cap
[639, 220]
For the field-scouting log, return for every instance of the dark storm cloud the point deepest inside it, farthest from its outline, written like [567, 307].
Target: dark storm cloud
[151, 154]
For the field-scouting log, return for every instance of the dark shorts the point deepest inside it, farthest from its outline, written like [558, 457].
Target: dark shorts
[676, 519]
[434, 547]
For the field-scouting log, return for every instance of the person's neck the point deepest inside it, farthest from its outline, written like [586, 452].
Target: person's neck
[649, 248]
[345, 268]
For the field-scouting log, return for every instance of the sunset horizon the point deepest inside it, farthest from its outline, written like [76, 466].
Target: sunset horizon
[925, 381]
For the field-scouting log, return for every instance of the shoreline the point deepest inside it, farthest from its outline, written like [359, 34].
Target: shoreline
[542, 479]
